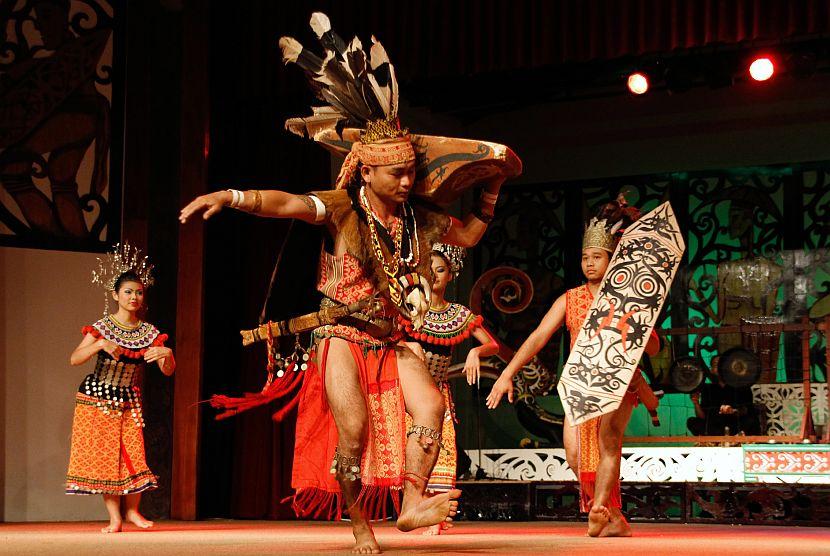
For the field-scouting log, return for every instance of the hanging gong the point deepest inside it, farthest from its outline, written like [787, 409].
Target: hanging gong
[739, 367]
[687, 374]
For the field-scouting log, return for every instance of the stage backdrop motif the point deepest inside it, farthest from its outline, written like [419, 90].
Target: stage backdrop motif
[60, 138]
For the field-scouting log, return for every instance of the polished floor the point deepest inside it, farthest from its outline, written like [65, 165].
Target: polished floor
[242, 538]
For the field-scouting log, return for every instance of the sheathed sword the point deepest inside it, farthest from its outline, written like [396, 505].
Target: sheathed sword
[340, 313]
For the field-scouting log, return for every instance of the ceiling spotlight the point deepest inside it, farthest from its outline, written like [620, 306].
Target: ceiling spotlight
[761, 69]
[638, 83]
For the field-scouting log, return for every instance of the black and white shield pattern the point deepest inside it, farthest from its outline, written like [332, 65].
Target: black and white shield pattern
[612, 339]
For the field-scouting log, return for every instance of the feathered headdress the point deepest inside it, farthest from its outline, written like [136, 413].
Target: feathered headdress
[359, 90]
[360, 119]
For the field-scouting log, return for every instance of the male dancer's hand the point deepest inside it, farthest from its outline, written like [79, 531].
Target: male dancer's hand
[210, 203]
[504, 385]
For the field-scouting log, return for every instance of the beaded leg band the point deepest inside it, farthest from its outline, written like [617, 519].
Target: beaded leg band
[347, 467]
[426, 436]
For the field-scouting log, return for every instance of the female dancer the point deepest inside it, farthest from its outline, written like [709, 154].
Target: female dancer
[107, 454]
[446, 325]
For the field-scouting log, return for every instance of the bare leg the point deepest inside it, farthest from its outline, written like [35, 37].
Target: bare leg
[597, 517]
[131, 512]
[611, 430]
[113, 504]
[425, 404]
[569, 439]
[348, 407]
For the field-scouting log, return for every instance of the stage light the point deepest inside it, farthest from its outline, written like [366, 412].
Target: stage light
[761, 69]
[638, 83]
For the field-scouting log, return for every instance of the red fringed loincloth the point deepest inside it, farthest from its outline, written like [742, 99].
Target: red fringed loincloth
[382, 468]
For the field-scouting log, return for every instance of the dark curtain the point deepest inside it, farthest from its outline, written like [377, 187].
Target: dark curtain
[435, 38]
[246, 461]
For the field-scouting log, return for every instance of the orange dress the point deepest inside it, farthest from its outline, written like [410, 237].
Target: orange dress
[107, 454]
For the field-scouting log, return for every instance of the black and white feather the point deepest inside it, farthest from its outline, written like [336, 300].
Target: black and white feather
[356, 87]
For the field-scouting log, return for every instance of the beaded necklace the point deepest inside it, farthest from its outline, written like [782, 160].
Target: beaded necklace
[413, 256]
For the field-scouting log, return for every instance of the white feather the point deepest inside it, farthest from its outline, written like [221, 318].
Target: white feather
[320, 24]
[291, 49]
[393, 93]
[377, 54]
[381, 93]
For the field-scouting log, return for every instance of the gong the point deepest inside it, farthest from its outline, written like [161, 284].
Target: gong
[687, 374]
[739, 367]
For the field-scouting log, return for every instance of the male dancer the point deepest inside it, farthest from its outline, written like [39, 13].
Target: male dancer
[593, 449]
[351, 411]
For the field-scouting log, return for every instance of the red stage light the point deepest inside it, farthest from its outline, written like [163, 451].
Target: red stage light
[761, 69]
[638, 83]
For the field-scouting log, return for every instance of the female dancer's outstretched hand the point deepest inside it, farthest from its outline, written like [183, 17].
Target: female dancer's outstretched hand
[210, 203]
[504, 385]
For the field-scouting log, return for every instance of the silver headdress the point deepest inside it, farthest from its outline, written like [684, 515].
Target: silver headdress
[453, 254]
[123, 258]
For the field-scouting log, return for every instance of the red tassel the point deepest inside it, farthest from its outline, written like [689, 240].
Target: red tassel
[287, 385]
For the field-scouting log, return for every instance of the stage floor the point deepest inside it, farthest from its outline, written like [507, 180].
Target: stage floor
[242, 538]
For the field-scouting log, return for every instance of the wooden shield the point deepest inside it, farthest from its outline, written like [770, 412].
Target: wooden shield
[628, 302]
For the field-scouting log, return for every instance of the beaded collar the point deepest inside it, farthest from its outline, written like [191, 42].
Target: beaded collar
[140, 337]
[449, 326]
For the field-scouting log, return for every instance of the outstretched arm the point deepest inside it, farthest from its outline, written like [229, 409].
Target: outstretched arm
[533, 345]
[470, 232]
[271, 203]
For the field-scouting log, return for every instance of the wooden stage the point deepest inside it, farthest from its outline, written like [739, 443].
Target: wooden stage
[243, 538]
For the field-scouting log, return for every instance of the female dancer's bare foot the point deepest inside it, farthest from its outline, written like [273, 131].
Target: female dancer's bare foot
[138, 520]
[617, 526]
[598, 519]
[113, 527]
[430, 511]
[364, 538]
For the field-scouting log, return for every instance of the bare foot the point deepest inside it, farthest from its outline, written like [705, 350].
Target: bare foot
[617, 526]
[364, 538]
[430, 511]
[598, 518]
[433, 530]
[113, 527]
[138, 520]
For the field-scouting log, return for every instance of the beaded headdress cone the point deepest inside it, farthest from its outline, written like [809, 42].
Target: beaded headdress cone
[123, 258]
[453, 254]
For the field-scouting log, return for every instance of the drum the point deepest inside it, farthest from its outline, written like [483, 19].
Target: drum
[764, 345]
